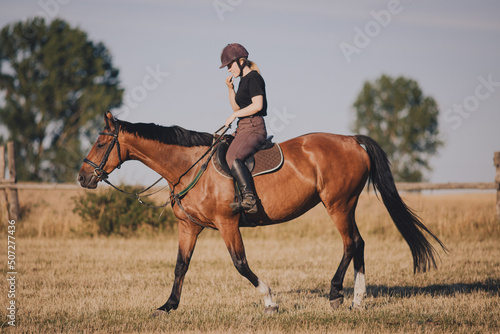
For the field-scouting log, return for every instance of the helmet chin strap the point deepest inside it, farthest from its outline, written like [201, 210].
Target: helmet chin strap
[241, 66]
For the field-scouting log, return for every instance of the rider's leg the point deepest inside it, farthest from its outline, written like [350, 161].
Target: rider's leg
[244, 180]
[250, 134]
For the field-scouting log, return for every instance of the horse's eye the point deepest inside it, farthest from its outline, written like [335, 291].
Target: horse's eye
[100, 145]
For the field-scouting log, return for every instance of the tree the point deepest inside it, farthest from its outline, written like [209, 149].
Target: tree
[56, 84]
[403, 121]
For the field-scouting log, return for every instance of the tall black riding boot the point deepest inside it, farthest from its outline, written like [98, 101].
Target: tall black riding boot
[245, 182]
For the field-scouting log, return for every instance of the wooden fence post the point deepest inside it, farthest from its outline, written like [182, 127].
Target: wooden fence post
[12, 192]
[496, 159]
[4, 208]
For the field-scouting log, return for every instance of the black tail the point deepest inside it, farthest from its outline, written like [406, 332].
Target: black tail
[407, 222]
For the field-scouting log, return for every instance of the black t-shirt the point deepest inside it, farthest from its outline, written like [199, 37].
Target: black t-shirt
[251, 85]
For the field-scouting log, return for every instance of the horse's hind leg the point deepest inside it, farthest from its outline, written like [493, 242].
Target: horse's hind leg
[344, 226]
[353, 248]
[359, 270]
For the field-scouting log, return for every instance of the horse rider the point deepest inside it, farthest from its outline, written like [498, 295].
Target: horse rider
[249, 105]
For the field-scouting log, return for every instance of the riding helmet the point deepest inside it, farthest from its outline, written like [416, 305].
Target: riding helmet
[232, 52]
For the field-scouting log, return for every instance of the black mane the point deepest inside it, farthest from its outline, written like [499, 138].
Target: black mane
[172, 135]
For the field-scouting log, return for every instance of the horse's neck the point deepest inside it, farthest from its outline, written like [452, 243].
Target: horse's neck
[170, 161]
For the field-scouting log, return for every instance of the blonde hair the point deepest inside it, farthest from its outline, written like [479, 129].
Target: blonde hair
[253, 66]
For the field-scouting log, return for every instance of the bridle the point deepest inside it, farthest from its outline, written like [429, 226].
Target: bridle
[102, 175]
[98, 169]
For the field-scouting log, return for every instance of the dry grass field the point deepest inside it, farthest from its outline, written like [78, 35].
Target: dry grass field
[68, 281]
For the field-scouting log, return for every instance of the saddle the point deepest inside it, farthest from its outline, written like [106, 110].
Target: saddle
[267, 159]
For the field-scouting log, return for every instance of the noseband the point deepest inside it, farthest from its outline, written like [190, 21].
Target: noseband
[98, 169]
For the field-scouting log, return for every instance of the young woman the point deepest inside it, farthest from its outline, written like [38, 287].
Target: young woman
[249, 106]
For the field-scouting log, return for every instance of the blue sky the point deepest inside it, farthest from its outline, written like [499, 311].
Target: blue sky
[314, 56]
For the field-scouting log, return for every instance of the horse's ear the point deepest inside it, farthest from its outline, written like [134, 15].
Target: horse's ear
[109, 119]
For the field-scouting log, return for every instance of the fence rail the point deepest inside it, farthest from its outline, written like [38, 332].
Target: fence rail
[39, 186]
[409, 186]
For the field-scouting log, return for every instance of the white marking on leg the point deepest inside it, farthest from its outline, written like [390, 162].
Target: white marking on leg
[359, 289]
[266, 292]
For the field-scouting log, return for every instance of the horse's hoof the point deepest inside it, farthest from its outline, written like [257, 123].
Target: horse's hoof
[335, 303]
[357, 306]
[158, 313]
[273, 309]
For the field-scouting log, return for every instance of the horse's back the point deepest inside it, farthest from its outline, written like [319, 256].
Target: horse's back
[327, 150]
[317, 167]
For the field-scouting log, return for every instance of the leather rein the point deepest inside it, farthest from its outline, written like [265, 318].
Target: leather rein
[103, 176]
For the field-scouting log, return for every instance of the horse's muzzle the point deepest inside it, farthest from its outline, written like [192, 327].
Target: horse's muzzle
[88, 181]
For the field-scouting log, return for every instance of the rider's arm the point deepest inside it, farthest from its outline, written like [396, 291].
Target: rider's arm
[253, 108]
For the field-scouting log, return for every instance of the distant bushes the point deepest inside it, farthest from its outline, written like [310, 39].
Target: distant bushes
[114, 213]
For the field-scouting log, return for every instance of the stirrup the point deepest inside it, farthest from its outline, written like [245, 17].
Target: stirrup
[236, 206]
[249, 204]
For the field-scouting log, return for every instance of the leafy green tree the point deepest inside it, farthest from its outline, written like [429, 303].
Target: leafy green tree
[403, 121]
[55, 85]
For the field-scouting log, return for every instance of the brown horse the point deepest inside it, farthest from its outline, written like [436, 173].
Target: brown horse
[319, 167]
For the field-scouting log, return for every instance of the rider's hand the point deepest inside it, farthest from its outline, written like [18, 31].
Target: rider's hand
[229, 82]
[230, 120]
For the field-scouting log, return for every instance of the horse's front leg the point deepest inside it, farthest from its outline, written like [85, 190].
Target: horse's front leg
[188, 234]
[232, 237]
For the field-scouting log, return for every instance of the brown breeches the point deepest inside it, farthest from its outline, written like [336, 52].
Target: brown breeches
[250, 134]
